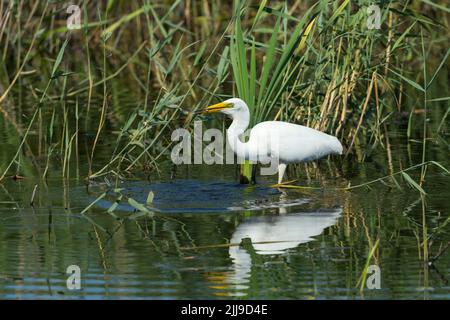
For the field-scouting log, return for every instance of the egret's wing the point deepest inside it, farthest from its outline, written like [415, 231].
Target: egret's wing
[291, 142]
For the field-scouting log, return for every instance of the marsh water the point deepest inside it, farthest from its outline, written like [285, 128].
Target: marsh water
[304, 244]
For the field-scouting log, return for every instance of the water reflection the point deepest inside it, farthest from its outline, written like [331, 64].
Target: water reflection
[183, 251]
[271, 235]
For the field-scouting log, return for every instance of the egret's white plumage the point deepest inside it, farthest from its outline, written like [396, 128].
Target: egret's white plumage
[286, 142]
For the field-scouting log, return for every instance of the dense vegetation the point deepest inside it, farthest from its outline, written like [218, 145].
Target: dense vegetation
[139, 69]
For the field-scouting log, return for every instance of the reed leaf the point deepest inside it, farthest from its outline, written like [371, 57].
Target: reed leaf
[412, 183]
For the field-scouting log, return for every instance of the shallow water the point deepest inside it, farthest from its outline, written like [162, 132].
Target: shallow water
[305, 244]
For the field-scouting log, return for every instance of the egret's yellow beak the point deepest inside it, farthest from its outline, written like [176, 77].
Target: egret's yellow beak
[217, 107]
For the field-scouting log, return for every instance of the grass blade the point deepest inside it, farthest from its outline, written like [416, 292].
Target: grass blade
[412, 83]
[59, 57]
[439, 68]
[412, 183]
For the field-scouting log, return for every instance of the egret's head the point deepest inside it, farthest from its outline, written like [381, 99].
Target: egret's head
[233, 108]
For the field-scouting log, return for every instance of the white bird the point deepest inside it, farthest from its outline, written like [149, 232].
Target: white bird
[274, 140]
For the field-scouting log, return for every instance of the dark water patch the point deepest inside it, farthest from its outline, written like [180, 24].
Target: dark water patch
[197, 196]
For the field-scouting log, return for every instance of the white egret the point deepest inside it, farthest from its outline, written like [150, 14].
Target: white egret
[274, 140]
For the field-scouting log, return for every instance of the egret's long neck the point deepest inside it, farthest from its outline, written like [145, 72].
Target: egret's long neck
[237, 128]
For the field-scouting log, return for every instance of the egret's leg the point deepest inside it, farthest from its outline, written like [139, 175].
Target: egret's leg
[281, 170]
[254, 174]
[280, 184]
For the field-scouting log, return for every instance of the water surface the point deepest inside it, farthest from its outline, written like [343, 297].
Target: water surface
[298, 244]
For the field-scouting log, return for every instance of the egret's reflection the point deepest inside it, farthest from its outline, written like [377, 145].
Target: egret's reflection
[272, 235]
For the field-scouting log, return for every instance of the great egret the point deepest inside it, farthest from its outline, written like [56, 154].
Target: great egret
[285, 142]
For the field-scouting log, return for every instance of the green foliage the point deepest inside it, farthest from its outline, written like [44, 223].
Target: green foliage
[262, 89]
